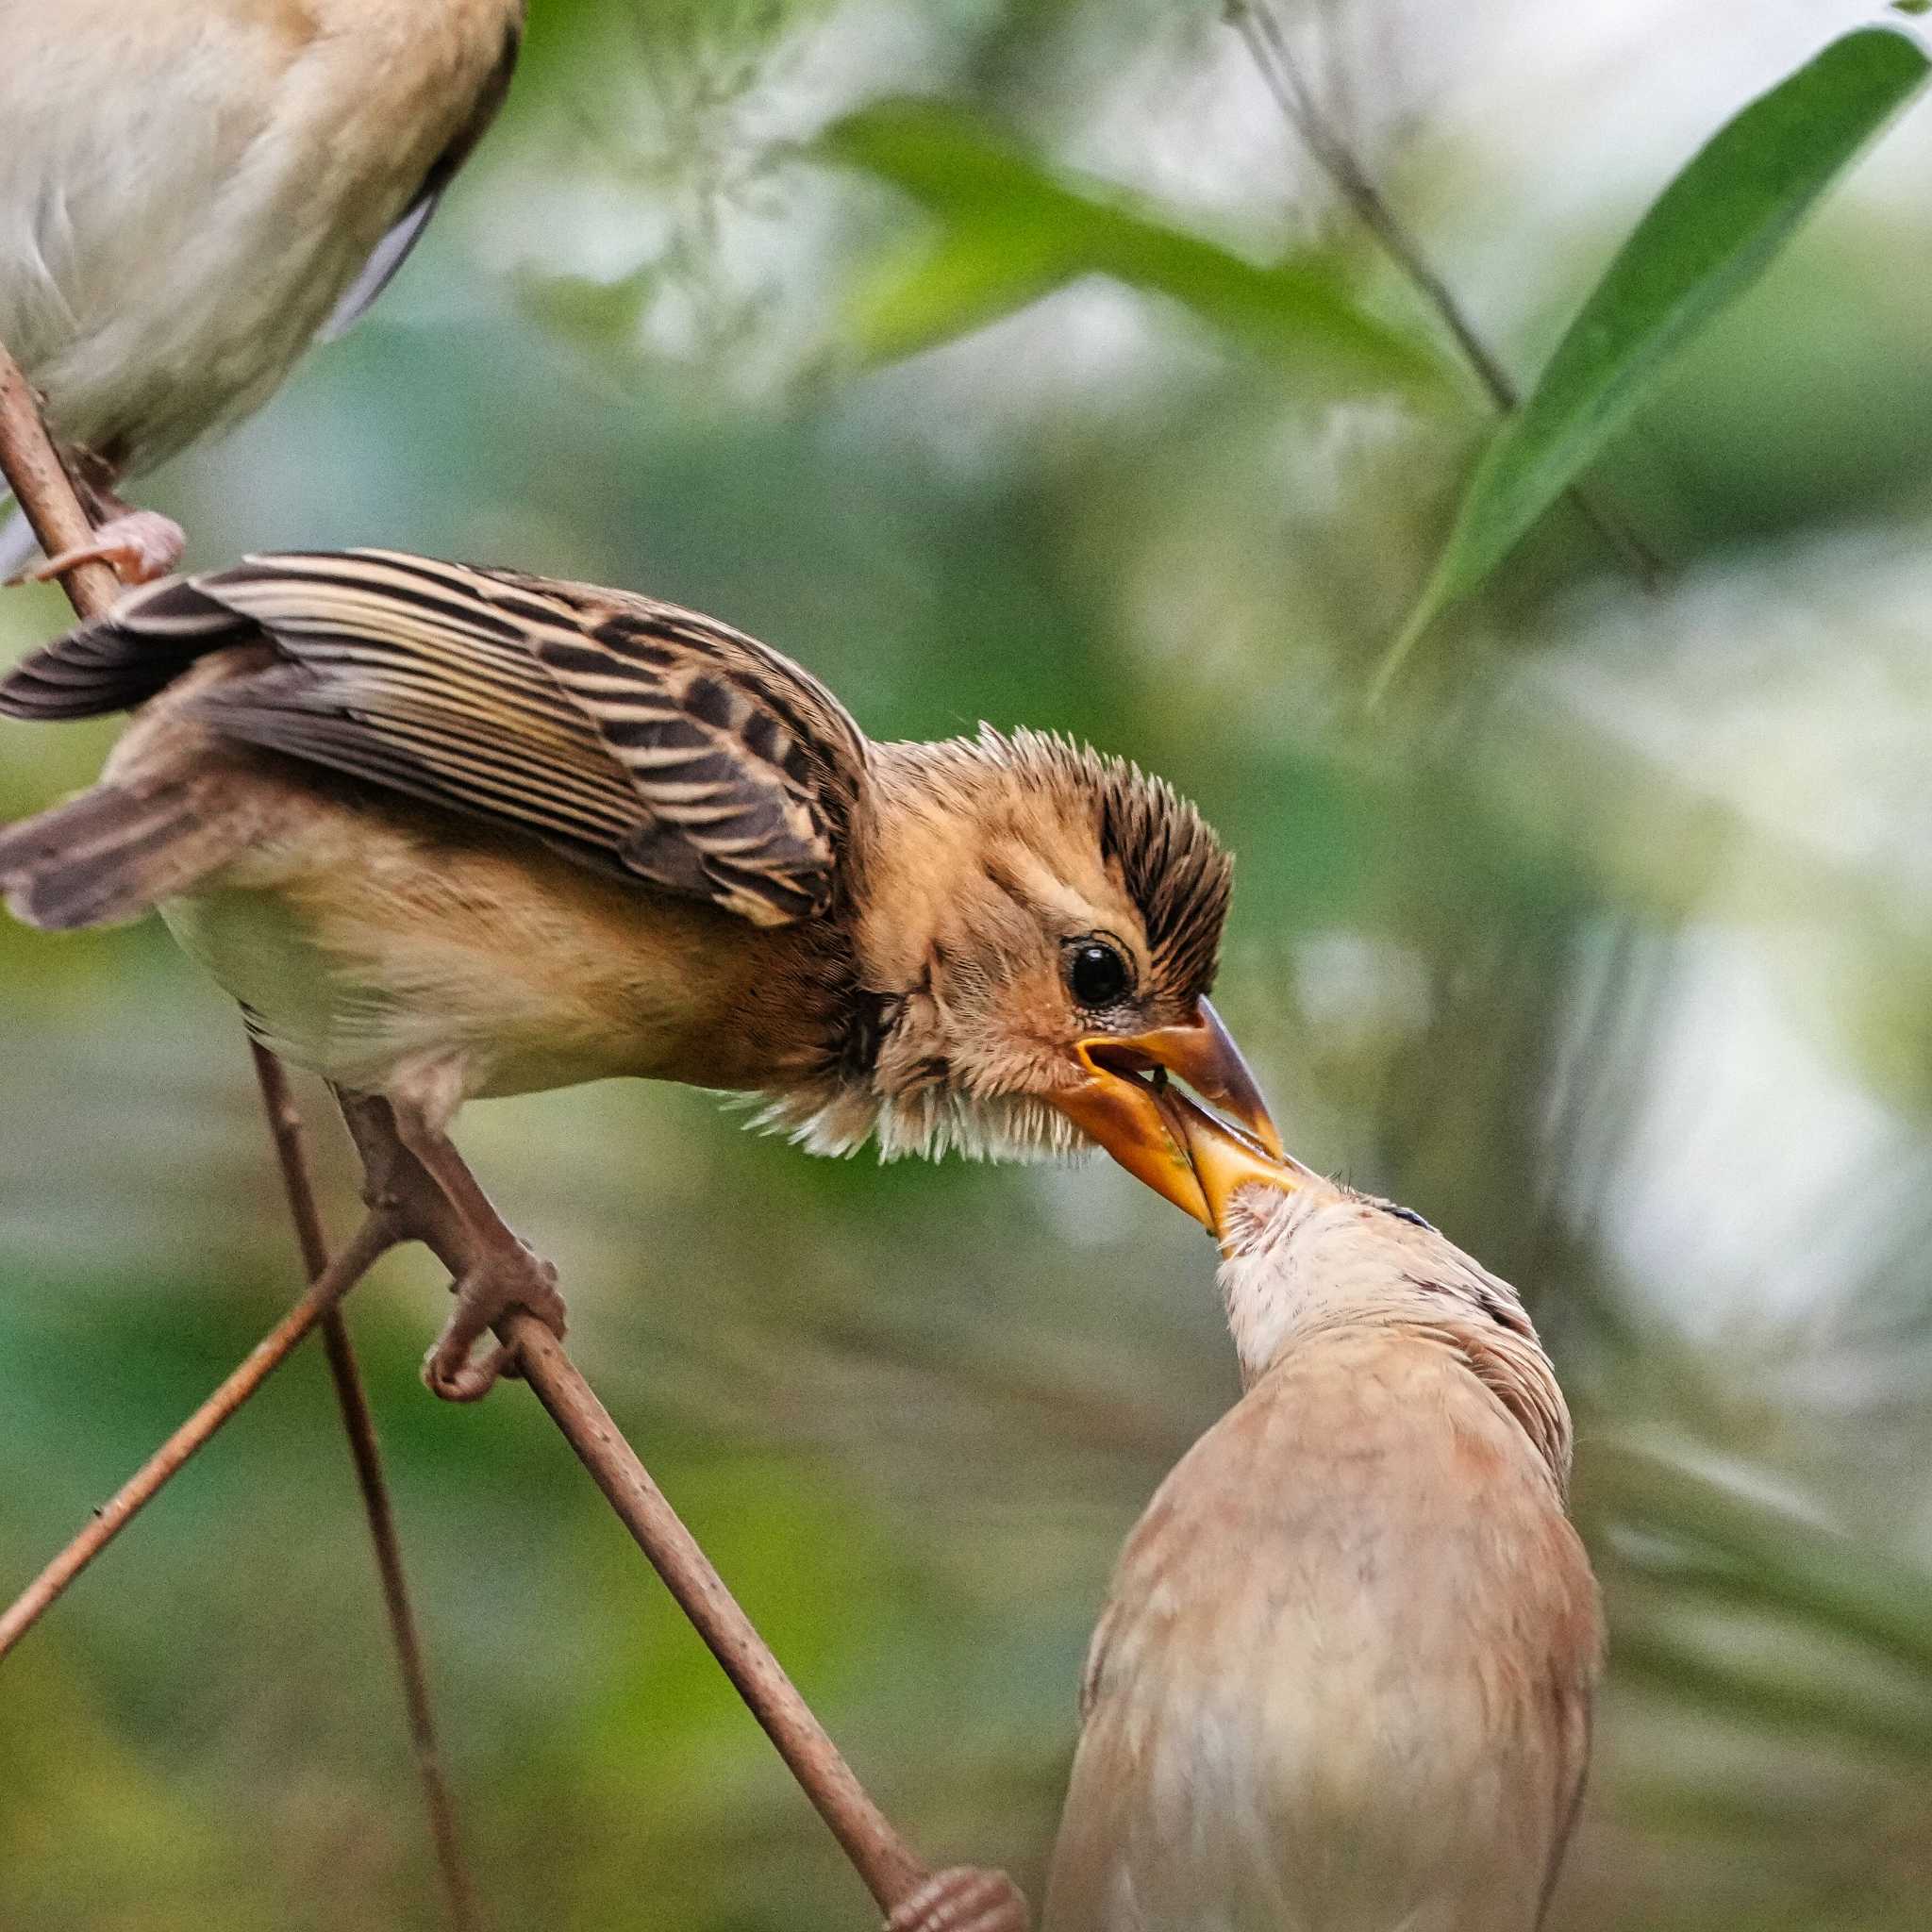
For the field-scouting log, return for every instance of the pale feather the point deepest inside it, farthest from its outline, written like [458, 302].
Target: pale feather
[186, 191]
[1343, 1680]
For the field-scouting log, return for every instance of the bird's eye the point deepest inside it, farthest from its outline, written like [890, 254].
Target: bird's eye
[1097, 974]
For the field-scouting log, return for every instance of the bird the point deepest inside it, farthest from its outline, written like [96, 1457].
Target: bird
[448, 831]
[1343, 1678]
[192, 192]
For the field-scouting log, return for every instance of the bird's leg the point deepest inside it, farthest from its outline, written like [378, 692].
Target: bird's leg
[504, 1275]
[963, 1898]
[138, 545]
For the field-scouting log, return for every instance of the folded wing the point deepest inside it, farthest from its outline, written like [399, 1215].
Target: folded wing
[640, 738]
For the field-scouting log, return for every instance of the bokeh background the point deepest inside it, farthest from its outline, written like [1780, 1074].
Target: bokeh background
[1606, 942]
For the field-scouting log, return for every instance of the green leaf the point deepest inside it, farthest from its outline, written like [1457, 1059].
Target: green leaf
[1011, 231]
[1762, 1553]
[984, 269]
[1711, 234]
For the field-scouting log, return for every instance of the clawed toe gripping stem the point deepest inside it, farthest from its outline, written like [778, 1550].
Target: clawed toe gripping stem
[486, 1294]
[962, 1898]
[411, 1168]
[138, 545]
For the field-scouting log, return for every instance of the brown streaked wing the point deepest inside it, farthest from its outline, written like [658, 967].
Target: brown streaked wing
[744, 758]
[642, 738]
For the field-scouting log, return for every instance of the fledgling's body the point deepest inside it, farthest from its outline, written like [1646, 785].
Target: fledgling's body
[191, 189]
[1342, 1681]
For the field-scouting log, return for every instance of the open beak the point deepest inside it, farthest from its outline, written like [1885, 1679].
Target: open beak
[1224, 1160]
[1118, 1105]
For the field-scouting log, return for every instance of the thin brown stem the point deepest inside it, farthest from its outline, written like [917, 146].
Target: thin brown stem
[44, 491]
[365, 1450]
[376, 1234]
[891, 1868]
[1268, 46]
[460, 1891]
[47, 498]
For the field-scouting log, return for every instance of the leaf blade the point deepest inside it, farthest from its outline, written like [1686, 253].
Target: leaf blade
[988, 192]
[1712, 232]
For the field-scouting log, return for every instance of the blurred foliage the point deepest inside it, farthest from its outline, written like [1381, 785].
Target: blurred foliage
[1013, 233]
[1606, 941]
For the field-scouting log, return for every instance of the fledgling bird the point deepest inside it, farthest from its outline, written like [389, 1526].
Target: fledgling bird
[192, 190]
[448, 832]
[1342, 1681]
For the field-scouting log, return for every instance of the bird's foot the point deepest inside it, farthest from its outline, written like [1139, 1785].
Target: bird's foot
[962, 1899]
[511, 1277]
[138, 545]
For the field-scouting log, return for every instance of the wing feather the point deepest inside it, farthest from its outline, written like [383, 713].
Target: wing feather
[642, 738]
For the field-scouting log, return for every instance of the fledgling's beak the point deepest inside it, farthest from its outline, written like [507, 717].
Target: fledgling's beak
[1119, 1107]
[1225, 1159]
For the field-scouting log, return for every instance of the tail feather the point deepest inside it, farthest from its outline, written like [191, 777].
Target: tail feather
[112, 852]
[122, 658]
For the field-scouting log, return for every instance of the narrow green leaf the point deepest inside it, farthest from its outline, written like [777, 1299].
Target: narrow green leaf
[1011, 230]
[1792, 1693]
[979, 271]
[1711, 234]
[1770, 1554]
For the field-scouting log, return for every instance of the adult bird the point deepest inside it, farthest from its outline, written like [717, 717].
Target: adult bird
[1342, 1681]
[448, 832]
[192, 190]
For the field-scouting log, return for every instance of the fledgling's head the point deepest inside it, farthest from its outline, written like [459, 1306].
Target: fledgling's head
[1042, 926]
[1300, 1252]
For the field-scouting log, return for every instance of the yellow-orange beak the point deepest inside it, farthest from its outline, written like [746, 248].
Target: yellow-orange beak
[1121, 1110]
[1224, 1160]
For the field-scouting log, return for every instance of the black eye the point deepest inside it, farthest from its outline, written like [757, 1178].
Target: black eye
[1097, 974]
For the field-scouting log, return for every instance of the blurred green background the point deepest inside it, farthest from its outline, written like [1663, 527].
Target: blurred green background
[1606, 942]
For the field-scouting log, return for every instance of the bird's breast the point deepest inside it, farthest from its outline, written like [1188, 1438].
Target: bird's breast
[1322, 1695]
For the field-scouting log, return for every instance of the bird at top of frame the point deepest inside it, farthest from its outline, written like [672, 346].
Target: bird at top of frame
[192, 192]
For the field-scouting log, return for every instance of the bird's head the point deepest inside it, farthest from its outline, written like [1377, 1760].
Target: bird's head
[1300, 1252]
[1042, 926]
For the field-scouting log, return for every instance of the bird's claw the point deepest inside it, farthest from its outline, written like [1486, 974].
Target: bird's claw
[513, 1278]
[138, 545]
[963, 1898]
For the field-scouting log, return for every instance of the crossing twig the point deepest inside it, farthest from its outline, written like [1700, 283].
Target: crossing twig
[285, 1124]
[1268, 46]
[376, 1235]
[47, 498]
